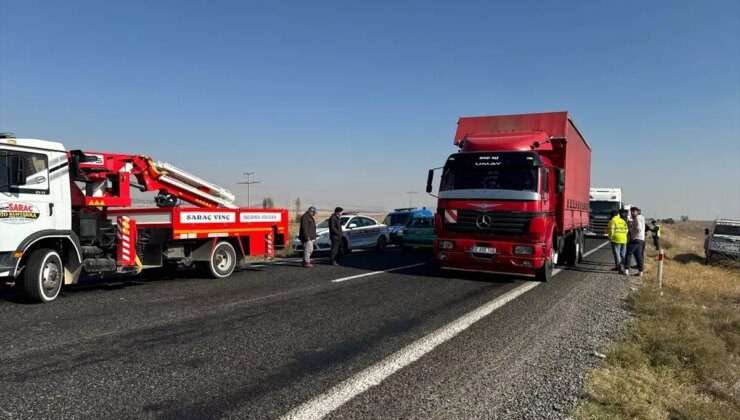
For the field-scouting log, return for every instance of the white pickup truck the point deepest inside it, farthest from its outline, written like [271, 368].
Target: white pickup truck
[723, 240]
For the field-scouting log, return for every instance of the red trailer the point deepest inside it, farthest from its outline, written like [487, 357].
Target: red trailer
[515, 198]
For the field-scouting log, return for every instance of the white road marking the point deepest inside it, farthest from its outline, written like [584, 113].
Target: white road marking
[340, 394]
[375, 273]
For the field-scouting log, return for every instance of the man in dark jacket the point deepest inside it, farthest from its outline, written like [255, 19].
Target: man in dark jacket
[307, 234]
[335, 234]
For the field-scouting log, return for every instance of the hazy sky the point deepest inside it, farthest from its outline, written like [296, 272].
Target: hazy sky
[351, 102]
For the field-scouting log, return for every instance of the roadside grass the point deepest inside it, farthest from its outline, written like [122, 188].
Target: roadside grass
[680, 355]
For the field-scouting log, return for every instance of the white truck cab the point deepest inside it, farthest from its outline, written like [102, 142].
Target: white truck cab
[34, 187]
[602, 201]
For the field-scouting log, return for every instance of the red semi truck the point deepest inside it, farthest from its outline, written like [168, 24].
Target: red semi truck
[515, 198]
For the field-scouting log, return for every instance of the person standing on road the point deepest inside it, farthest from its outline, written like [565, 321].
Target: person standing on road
[335, 234]
[307, 234]
[617, 232]
[656, 234]
[636, 244]
[624, 214]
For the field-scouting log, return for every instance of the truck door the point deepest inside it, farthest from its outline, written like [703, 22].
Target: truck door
[547, 204]
[24, 208]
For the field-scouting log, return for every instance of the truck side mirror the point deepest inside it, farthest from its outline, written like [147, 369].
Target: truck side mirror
[430, 176]
[559, 180]
[706, 231]
[14, 173]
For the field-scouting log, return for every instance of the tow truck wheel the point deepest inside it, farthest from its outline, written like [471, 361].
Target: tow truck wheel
[223, 260]
[43, 276]
[382, 243]
[544, 273]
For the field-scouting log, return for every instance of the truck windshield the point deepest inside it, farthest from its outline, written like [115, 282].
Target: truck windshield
[727, 230]
[397, 219]
[488, 178]
[604, 206]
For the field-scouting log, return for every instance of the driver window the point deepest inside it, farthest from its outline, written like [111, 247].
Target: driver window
[35, 170]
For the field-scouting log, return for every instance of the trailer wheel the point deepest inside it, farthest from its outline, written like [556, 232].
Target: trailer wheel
[43, 276]
[222, 261]
[544, 273]
[382, 243]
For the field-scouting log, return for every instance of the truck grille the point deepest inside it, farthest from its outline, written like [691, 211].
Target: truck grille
[502, 222]
[598, 225]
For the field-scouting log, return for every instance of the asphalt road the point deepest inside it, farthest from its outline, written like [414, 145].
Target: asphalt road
[281, 339]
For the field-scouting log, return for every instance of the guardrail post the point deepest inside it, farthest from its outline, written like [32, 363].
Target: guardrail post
[660, 269]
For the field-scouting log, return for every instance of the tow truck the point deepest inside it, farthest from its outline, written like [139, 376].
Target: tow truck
[68, 213]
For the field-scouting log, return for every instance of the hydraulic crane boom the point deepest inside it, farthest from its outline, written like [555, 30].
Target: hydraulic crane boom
[108, 179]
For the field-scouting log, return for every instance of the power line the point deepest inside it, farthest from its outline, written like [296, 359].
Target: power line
[248, 183]
[411, 196]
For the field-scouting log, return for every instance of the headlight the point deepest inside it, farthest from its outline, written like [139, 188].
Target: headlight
[523, 250]
[446, 244]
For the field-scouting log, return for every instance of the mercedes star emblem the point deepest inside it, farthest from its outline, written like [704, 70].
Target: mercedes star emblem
[483, 221]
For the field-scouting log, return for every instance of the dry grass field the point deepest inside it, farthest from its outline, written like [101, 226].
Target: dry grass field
[679, 357]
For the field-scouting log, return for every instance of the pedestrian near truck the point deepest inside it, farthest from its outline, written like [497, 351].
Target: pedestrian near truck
[335, 234]
[636, 245]
[656, 233]
[307, 234]
[617, 229]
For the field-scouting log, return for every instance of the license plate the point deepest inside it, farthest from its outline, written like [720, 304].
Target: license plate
[725, 246]
[482, 250]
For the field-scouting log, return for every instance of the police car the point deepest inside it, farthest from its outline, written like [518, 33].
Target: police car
[359, 232]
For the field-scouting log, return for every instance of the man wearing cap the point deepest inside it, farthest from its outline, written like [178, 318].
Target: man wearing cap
[335, 234]
[307, 234]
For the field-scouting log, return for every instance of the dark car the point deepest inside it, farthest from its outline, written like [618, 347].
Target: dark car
[399, 218]
[418, 233]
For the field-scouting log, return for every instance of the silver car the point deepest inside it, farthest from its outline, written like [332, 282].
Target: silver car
[359, 232]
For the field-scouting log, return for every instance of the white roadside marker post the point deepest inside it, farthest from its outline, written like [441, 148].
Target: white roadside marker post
[660, 270]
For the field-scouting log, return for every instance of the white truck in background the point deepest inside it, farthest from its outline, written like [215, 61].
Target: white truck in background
[603, 201]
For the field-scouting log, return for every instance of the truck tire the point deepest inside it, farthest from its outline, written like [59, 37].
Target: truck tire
[573, 249]
[222, 261]
[544, 273]
[43, 276]
[382, 243]
[582, 242]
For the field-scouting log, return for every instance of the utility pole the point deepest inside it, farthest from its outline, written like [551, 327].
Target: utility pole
[411, 196]
[248, 183]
